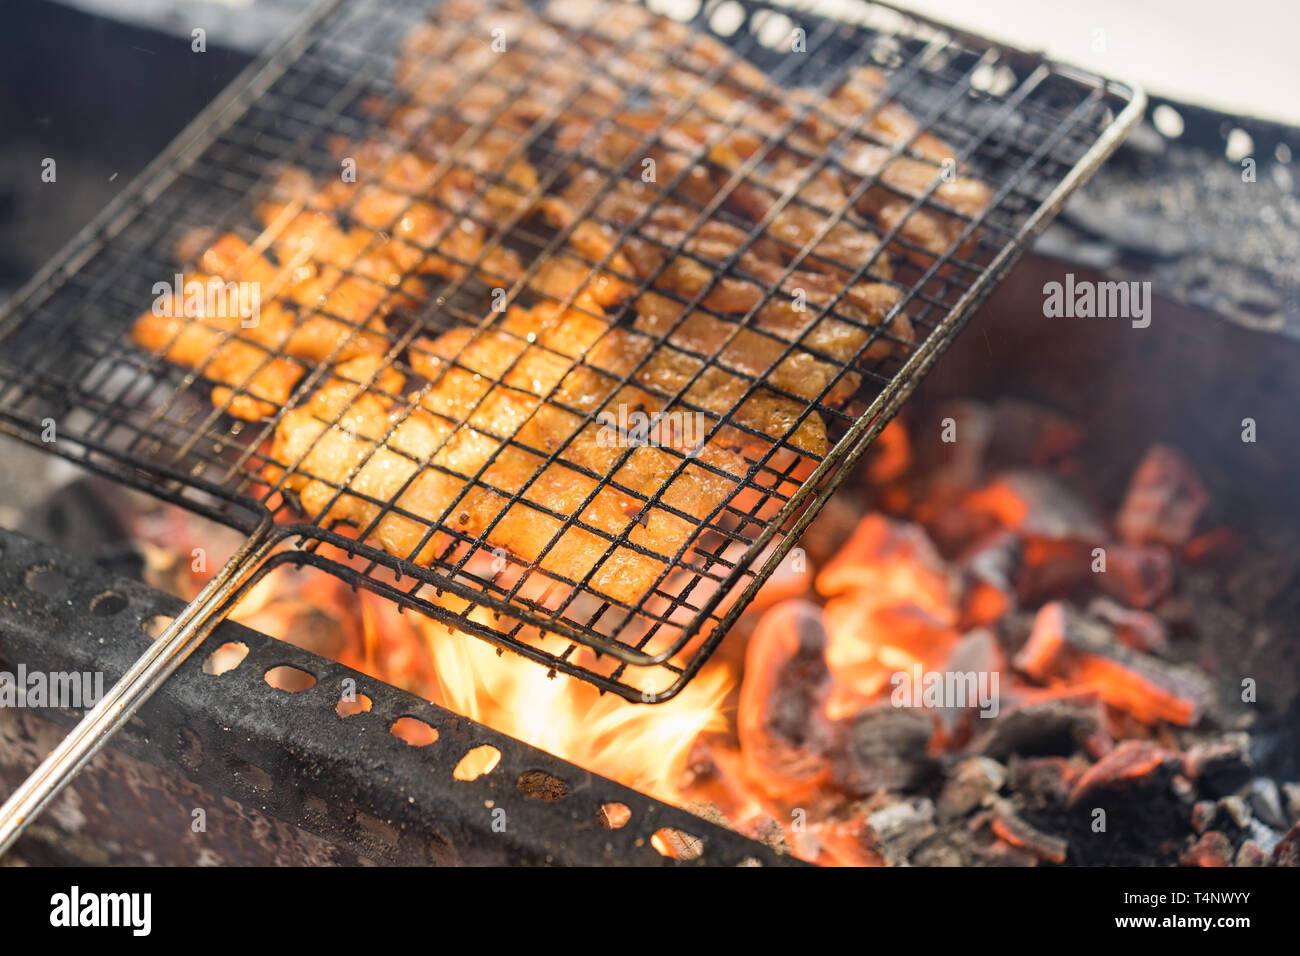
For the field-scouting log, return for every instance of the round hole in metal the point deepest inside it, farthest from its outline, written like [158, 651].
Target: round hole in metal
[107, 603]
[677, 844]
[1239, 145]
[1168, 121]
[47, 580]
[290, 679]
[350, 707]
[155, 625]
[254, 776]
[614, 816]
[414, 731]
[225, 658]
[477, 762]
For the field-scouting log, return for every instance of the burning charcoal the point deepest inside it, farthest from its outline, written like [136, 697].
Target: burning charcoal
[766, 830]
[1139, 630]
[1041, 783]
[1008, 825]
[713, 776]
[953, 526]
[784, 734]
[1221, 767]
[1204, 814]
[837, 843]
[1025, 433]
[1287, 851]
[867, 640]
[983, 604]
[831, 528]
[1251, 853]
[791, 579]
[1069, 646]
[1002, 853]
[896, 563]
[1165, 498]
[883, 748]
[989, 571]
[1058, 530]
[1053, 569]
[1134, 764]
[938, 853]
[978, 653]
[1266, 802]
[1037, 504]
[1210, 849]
[960, 461]
[970, 784]
[1057, 725]
[1292, 791]
[1138, 575]
[890, 456]
[709, 811]
[1214, 548]
[1236, 810]
[895, 831]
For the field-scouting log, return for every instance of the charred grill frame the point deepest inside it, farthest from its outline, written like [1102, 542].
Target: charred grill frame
[289, 757]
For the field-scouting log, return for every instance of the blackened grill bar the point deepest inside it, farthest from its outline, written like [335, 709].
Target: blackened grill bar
[67, 360]
[349, 782]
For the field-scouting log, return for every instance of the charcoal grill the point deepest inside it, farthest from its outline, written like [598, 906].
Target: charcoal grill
[70, 378]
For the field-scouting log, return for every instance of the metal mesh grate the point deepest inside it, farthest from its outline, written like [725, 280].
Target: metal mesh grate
[563, 217]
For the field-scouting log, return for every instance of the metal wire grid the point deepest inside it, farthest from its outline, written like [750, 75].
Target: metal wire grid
[67, 359]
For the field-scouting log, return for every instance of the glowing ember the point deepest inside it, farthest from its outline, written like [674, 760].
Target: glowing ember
[791, 742]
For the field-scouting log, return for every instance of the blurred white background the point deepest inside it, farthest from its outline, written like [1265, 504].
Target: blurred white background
[1238, 57]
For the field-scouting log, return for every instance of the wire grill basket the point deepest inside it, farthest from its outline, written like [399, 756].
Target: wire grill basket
[626, 564]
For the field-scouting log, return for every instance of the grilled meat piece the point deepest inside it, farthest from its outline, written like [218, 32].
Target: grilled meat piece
[305, 309]
[905, 177]
[402, 474]
[406, 216]
[792, 313]
[570, 364]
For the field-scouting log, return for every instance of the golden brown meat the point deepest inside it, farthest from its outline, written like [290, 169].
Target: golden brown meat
[906, 176]
[418, 479]
[305, 310]
[558, 366]
[409, 225]
[695, 271]
[745, 350]
[515, 435]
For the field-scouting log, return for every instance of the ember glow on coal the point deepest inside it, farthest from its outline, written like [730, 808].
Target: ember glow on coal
[979, 658]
